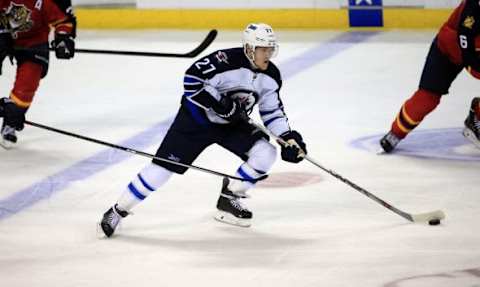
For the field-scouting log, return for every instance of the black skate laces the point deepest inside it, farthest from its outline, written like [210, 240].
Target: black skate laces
[238, 204]
[113, 218]
[392, 139]
[7, 130]
[234, 200]
[476, 124]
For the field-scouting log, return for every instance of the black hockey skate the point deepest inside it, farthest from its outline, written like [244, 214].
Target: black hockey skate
[111, 219]
[8, 137]
[230, 209]
[472, 124]
[389, 142]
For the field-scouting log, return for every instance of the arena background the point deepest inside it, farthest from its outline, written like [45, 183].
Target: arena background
[300, 14]
[342, 88]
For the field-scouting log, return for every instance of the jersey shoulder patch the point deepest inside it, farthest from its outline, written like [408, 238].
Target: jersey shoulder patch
[233, 57]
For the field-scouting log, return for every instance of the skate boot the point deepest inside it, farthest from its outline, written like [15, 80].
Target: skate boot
[230, 209]
[472, 124]
[111, 218]
[389, 142]
[8, 137]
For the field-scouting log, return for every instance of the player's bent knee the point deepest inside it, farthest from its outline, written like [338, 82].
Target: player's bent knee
[262, 155]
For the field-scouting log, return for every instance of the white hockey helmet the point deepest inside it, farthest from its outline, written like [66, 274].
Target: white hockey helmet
[259, 35]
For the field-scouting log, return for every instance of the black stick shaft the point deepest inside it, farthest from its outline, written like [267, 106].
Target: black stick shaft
[192, 54]
[136, 152]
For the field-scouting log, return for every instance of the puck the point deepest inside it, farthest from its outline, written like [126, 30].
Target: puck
[434, 221]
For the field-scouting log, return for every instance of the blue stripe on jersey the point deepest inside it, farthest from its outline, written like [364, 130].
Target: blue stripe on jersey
[147, 186]
[271, 120]
[243, 174]
[264, 113]
[135, 192]
[188, 79]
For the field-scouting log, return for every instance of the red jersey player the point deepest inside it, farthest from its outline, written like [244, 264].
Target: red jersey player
[24, 30]
[456, 46]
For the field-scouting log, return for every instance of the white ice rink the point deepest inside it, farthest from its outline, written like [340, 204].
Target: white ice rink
[341, 91]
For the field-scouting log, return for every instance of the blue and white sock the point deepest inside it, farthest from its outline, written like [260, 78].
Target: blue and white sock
[149, 179]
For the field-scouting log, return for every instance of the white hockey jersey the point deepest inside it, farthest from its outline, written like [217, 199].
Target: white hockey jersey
[227, 71]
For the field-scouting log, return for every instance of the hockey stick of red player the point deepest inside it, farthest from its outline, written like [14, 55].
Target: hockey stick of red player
[192, 54]
[430, 217]
[137, 152]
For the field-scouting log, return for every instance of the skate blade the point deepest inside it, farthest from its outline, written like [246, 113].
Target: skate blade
[228, 218]
[100, 233]
[469, 135]
[381, 151]
[6, 144]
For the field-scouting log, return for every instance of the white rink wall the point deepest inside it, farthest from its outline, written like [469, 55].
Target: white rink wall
[260, 4]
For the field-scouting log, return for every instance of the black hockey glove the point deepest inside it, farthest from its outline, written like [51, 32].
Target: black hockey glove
[296, 148]
[230, 110]
[64, 46]
[6, 48]
[13, 115]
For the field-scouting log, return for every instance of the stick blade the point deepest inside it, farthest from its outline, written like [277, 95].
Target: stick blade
[426, 217]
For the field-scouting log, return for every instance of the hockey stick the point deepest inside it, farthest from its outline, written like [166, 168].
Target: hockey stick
[192, 54]
[136, 152]
[436, 215]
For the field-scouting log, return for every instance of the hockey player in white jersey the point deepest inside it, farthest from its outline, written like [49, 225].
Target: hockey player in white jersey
[219, 91]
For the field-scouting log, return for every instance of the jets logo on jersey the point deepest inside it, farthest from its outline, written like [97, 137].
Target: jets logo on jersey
[18, 18]
[222, 57]
[245, 97]
[469, 22]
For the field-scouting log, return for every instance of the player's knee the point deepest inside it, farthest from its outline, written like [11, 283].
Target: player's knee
[262, 155]
[154, 176]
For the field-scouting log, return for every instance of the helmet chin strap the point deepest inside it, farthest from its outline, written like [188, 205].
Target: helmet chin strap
[252, 62]
[251, 57]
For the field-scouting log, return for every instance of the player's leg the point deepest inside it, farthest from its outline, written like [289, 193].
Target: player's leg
[437, 76]
[32, 66]
[258, 155]
[14, 108]
[149, 179]
[183, 142]
[410, 116]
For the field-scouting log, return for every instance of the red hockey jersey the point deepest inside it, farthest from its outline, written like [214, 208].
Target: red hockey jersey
[30, 20]
[459, 37]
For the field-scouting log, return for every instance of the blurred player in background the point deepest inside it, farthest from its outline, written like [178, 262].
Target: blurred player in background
[219, 92]
[456, 46]
[24, 30]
